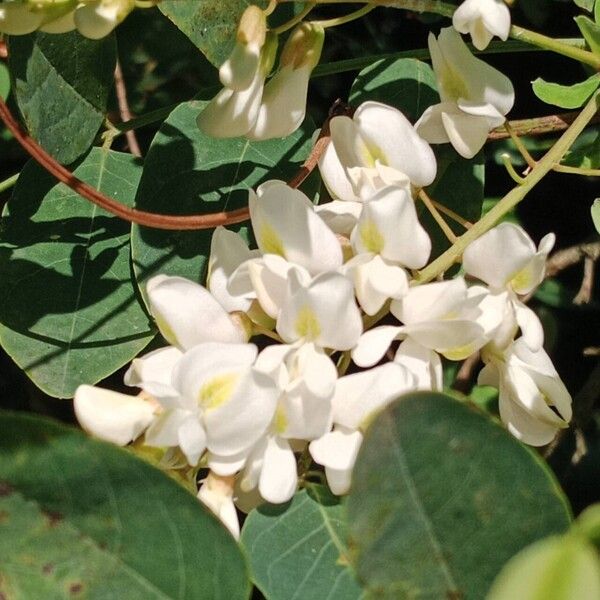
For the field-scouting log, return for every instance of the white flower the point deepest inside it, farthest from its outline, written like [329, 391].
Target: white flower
[357, 400]
[187, 314]
[377, 147]
[95, 19]
[218, 401]
[483, 19]
[474, 96]
[534, 402]
[507, 260]
[323, 312]
[423, 363]
[283, 103]
[444, 316]
[216, 492]
[19, 18]
[112, 416]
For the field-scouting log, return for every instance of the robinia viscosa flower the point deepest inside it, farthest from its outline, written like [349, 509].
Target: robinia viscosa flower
[475, 96]
[482, 19]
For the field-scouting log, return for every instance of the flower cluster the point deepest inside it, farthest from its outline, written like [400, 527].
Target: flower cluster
[94, 19]
[319, 280]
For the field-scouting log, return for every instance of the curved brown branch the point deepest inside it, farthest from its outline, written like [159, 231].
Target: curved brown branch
[148, 219]
[3, 50]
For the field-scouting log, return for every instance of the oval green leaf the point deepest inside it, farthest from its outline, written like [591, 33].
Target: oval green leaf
[4, 81]
[62, 83]
[298, 550]
[210, 24]
[69, 311]
[566, 96]
[187, 172]
[558, 568]
[81, 518]
[442, 497]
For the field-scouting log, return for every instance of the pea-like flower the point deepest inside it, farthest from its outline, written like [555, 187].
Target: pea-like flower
[475, 97]
[482, 19]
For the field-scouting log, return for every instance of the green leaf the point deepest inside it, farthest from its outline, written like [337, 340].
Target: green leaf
[590, 31]
[442, 497]
[69, 312]
[62, 83]
[585, 4]
[81, 518]
[405, 83]
[298, 550]
[597, 13]
[558, 568]
[588, 524]
[210, 24]
[585, 153]
[566, 96]
[187, 172]
[458, 186]
[596, 214]
[4, 82]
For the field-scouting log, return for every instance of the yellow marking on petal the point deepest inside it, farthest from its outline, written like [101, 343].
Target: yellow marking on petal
[280, 420]
[375, 155]
[217, 390]
[453, 84]
[166, 330]
[307, 325]
[459, 353]
[521, 280]
[371, 237]
[269, 241]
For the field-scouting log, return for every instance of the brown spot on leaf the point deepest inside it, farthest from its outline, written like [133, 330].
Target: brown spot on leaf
[5, 490]
[4, 516]
[48, 569]
[454, 595]
[75, 588]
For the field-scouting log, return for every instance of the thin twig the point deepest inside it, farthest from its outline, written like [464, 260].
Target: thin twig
[584, 295]
[3, 50]
[148, 219]
[563, 259]
[454, 216]
[465, 373]
[126, 115]
[428, 202]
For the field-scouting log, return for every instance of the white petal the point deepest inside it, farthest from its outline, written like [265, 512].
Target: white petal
[154, 368]
[97, 18]
[227, 465]
[431, 127]
[219, 499]
[285, 223]
[531, 326]
[111, 416]
[283, 105]
[431, 301]
[337, 449]
[192, 440]
[230, 113]
[422, 362]
[61, 24]
[187, 314]
[467, 133]
[279, 477]
[360, 395]
[340, 216]
[164, 430]
[238, 71]
[398, 144]
[335, 177]
[373, 344]
[227, 252]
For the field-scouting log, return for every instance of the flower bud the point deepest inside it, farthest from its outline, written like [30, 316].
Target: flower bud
[98, 18]
[17, 18]
[253, 27]
[303, 47]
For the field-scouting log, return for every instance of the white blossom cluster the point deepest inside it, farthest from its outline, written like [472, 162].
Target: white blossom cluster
[318, 277]
[94, 19]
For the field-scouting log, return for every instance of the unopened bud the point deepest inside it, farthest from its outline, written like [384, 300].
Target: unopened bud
[303, 47]
[253, 27]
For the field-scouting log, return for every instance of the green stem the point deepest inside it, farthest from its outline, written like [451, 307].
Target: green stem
[548, 43]
[295, 20]
[8, 183]
[357, 14]
[506, 204]
[495, 47]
